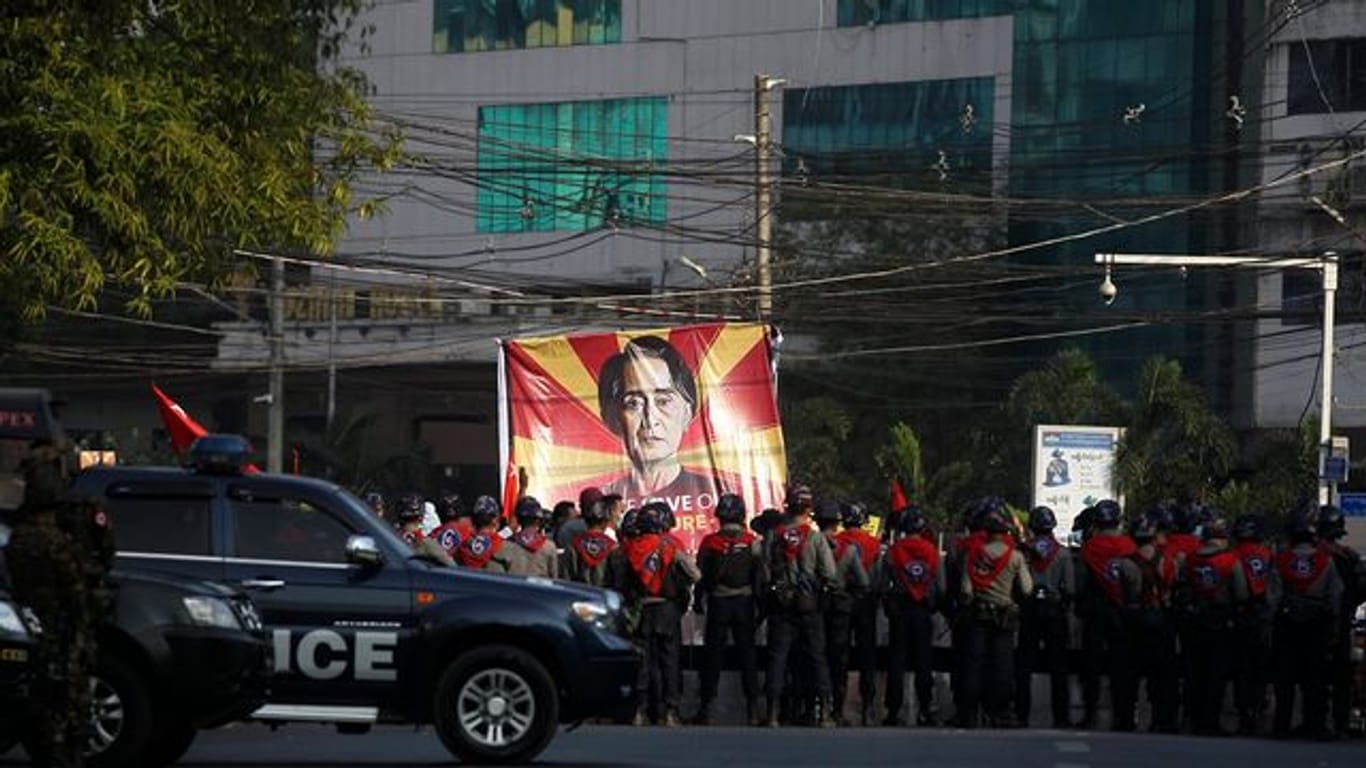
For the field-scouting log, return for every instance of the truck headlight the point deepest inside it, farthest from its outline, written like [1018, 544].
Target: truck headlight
[10, 621]
[211, 612]
[595, 614]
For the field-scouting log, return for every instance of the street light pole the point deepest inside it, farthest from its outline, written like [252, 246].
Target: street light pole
[1326, 264]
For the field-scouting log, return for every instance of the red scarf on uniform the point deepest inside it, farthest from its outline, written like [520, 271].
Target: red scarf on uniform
[1042, 551]
[793, 539]
[1101, 550]
[982, 569]
[651, 556]
[1299, 570]
[1256, 559]
[723, 544]
[593, 547]
[531, 538]
[1181, 544]
[449, 537]
[915, 561]
[479, 550]
[867, 546]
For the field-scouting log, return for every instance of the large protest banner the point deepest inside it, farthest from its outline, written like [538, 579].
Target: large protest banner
[679, 415]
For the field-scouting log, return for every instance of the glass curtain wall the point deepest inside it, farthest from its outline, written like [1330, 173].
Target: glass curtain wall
[460, 26]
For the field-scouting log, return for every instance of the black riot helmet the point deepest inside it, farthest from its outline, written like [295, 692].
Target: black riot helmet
[1330, 523]
[1042, 520]
[911, 521]
[730, 509]
[1250, 528]
[450, 507]
[827, 512]
[854, 515]
[1107, 514]
[1144, 528]
[409, 507]
[1302, 527]
[995, 522]
[654, 518]
[596, 512]
[529, 511]
[485, 512]
[630, 524]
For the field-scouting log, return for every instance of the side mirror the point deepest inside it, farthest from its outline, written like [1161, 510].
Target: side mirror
[362, 550]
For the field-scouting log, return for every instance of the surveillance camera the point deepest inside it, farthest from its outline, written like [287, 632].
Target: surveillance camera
[1108, 291]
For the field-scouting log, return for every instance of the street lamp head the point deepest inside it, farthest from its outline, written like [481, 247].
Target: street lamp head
[1108, 289]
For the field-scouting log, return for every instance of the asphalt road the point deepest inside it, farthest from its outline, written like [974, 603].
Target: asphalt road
[254, 745]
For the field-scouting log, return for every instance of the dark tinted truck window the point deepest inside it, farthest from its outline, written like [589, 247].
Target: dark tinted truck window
[160, 524]
[288, 529]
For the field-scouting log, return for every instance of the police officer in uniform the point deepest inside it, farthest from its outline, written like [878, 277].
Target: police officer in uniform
[1307, 592]
[409, 516]
[1152, 633]
[732, 564]
[911, 584]
[837, 603]
[1217, 589]
[482, 550]
[1043, 619]
[656, 578]
[864, 618]
[1108, 584]
[585, 559]
[531, 552]
[802, 567]
[1252, 625]
[59, 555]
[1332, 527]
[995, 581]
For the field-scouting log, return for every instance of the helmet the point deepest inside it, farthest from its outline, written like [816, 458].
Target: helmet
[730, 508]
[666, 517]
[765, 521]
[1161, 516]
[1042, 520]
[1084, 519]
[595, 512]
[994, 521]
[827, 511]
[409, 507]
[1302, 527]
[1215, 529]
[485, 511]
[375, 501]
[1191, 515]
[1330, 523]
[912, 521]
[979, 510]
[1250, 528]
[630, 524]
[798, 497]
[654, 518]
[528, 510]
[854, 515]
[451, 507]
[1144, 528]
[1107, 514]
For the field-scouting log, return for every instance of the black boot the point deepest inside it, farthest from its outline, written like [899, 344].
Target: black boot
[773, 720]
[822, 714]
[752, 713]
[703, 716]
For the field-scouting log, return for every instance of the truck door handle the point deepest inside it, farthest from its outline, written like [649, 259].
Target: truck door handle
[263, 584]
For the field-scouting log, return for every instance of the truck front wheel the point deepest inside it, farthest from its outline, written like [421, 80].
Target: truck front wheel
[496, 704]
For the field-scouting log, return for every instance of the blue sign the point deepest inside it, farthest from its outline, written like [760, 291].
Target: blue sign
[1352, 504]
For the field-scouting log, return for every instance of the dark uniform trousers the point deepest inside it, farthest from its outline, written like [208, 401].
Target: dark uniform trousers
[805, 629]
[1152, 641]
[1211, 664]
[1302, 658]
[1105, 650]
[733, 616]
[988, 663]
[865, 648]
[911, 639]
[1043, 637]
[1253, 660]
[839, 618]
[659, 639]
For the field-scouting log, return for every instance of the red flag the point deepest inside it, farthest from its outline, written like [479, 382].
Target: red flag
[182, 429]
[512, 490]
[898, 496]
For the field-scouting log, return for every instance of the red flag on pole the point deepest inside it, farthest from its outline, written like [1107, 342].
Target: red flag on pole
[512, 490]
[899, 500]
[182, 429]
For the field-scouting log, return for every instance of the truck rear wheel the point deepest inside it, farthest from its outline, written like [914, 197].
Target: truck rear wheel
[496, 704]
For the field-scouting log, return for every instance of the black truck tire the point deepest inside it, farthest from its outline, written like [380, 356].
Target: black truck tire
[116, 683]
[496, 704]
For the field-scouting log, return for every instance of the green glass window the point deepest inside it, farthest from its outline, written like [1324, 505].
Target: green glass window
[494, 25]
[900, 134]
[575, 165]
[852, 13]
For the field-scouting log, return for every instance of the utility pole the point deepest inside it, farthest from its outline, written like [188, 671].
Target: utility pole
[763, 192]
[275, 422]
[331, 351]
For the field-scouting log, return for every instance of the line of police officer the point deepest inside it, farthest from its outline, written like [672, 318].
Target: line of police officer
[817, 579]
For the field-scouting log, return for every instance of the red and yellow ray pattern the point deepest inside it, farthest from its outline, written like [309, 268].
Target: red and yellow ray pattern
[560, 439]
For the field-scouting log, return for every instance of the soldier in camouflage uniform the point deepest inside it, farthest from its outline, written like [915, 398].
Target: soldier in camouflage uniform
[59, 556]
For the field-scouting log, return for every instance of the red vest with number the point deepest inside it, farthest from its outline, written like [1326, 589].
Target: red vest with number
[1256, 559]
[1208, 573]
[1102, 555]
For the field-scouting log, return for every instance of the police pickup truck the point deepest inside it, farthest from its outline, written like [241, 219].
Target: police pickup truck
[364, 630]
